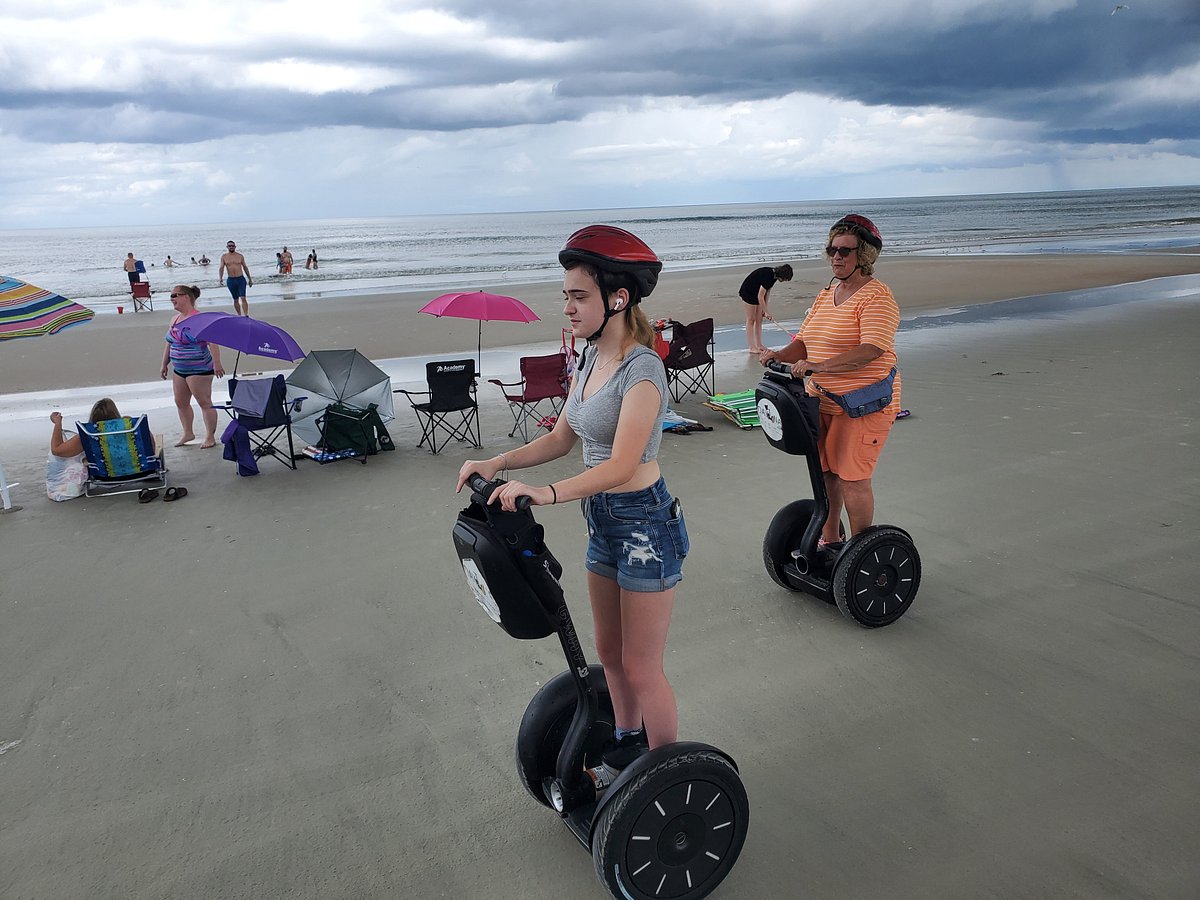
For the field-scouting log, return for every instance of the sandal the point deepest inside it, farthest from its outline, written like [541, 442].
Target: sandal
[145, 495]
[174, 493]
[903, 414]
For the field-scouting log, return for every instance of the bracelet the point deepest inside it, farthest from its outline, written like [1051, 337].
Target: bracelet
[504, 460]
[555, 493]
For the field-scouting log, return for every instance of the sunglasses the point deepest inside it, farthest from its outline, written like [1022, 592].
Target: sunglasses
[842, 252]
[173, 295]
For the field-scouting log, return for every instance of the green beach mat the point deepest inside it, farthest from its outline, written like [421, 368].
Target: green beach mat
[739, 408]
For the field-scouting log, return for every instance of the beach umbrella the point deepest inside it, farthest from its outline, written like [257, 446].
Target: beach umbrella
[30, 311]
[243, 334]
[482, 306]
[337, 376]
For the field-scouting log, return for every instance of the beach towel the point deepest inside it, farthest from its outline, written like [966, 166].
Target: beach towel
[237, 448]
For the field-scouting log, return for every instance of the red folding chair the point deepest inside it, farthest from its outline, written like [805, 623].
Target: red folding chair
[543, 381]
[141, 296]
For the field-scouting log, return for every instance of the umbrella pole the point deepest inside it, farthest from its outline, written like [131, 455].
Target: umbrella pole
[479, 350]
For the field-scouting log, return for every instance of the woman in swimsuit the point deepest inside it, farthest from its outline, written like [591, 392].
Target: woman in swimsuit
[194, 363]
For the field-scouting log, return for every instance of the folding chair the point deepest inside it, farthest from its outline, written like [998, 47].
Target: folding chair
[262, 409]
[119, 453]
[141, 296]
[452, 406]
[689, 359]
[543, 380]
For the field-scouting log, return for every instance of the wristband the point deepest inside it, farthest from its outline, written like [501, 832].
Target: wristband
[555, 493]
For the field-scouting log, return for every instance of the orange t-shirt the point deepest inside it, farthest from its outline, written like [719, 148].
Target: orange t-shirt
[870, 316]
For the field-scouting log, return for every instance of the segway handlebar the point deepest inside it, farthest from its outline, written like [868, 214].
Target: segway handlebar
[782, 368]
[484, 489]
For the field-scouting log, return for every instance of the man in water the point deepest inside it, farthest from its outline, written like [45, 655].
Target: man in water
[239, 278]
[286, 261]
[130, 265]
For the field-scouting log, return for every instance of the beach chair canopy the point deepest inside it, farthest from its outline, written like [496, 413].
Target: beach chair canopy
[120, 453]
[338, 376]
[536, 400]
[451, 408]
[262, 417]
[689, 360]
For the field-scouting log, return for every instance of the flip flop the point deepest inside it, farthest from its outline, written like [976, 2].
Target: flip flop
[903, 414]
[174, 493]
[145, 495]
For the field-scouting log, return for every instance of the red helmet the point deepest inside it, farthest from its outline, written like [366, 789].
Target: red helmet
[615, 250]
[863, 227]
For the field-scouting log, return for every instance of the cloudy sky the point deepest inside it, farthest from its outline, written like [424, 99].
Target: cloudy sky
[157, 111]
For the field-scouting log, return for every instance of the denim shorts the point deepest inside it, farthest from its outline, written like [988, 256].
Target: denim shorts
[637, 538]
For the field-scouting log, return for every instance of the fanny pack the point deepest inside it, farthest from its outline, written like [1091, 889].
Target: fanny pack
[866, 400]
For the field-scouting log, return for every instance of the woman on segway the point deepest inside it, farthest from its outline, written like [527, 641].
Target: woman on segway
[848, 342]
[637, 536]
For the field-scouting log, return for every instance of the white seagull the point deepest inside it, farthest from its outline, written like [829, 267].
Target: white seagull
[1118, 8]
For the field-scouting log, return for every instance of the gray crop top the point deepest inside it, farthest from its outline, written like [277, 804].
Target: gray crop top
[595, 419]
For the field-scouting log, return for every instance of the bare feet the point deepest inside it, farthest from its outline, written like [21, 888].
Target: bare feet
[208, 442]
[185, 440]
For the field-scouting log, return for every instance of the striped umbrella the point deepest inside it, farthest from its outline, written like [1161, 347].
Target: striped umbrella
[30, 311]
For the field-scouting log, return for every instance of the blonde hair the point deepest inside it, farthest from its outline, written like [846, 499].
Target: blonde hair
[867, 253]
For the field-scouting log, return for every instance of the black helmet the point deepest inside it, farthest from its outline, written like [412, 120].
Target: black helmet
[863, 227]
[614, 250]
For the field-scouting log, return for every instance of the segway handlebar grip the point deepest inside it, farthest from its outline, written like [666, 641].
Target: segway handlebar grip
[484, 489]
[784, 368]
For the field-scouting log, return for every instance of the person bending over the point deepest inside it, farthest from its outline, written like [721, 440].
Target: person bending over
[755, 291]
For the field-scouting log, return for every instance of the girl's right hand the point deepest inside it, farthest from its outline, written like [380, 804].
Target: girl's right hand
[485, 467]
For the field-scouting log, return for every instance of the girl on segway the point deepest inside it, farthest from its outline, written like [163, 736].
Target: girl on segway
[637, 537]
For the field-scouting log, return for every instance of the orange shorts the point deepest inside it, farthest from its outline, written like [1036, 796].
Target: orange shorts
[849, 447]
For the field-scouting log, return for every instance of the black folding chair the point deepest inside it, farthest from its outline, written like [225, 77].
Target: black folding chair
[451, 408]
[689, 359]
[263, 409]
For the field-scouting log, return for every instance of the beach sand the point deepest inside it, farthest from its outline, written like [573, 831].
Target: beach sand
[281, 686]
[128, 348]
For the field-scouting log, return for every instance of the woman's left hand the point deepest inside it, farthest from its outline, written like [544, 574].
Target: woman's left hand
[510, 492]
[220, 370]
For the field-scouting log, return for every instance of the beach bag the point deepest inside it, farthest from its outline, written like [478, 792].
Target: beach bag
[864, 401]
[65, 477]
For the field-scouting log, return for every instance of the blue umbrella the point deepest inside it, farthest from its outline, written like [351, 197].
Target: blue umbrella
[243, 334]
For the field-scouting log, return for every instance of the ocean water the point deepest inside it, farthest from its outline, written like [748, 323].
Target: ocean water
[464, 252]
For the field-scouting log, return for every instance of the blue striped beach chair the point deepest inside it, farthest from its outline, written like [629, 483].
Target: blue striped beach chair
[121, 453]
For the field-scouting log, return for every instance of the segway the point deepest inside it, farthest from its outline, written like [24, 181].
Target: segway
[874, 576]
[669, 825]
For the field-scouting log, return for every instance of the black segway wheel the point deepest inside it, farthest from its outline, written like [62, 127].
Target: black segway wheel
[544, 728]
[675, 831]
[877, 577]
[783, 536]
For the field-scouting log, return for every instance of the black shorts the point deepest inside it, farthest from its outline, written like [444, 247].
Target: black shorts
[179, 374]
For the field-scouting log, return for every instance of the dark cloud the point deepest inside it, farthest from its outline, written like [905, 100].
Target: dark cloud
[1063, 73]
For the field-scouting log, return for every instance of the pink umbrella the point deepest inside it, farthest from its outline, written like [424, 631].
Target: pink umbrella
[482, 306]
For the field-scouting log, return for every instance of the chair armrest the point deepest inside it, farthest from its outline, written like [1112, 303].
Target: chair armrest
[411, 394]
[505, 384]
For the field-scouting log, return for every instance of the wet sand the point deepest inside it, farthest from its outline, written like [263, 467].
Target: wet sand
[281, 686]
[128, 348]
